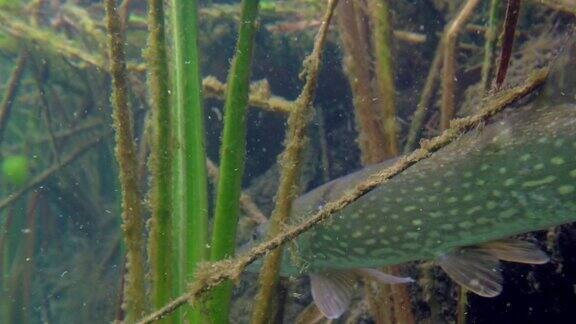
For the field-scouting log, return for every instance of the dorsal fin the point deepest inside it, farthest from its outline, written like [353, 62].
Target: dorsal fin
[475, 269]
[514, 250]
[332, 291]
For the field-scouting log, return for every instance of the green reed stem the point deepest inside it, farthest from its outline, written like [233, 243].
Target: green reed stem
[490, 43]
[191, 198]
[160, 245]
[382, 35]
[132, 221]
[232, 156]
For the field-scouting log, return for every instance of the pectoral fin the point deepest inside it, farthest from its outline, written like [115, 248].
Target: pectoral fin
[383, 277]
[332, 292]
[475, 269]
[516, 251]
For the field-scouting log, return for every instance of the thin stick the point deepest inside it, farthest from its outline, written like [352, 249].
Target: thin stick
[425, 99]
[160, 246]
[212, 274]
[47, 173]
[291, 161]
[449, 66]
[512, 11]
[216, 89]
[10, 92]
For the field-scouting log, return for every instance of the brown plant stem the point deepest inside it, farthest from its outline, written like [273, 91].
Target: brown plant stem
[132, 217]
[290, 162]
[449, 65]
[212, 274]
[512, 11]
[10, 92]
[216, 89]
[46, 108]
[357, 67]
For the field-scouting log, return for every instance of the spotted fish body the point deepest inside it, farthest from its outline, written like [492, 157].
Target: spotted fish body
[515, 175]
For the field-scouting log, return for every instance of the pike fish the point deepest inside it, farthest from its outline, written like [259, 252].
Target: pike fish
[459, 207]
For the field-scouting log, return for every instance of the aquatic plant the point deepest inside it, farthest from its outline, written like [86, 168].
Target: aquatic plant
[290, 174]
[232, 156]
[132, 215]
[161, 200]
[60, 124]
[191, 196]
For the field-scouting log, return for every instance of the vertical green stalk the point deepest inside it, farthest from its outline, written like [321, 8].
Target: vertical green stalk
[382, 35]
[191, 198]
[133, 224]
[160, 245]
[232, 157]
[490, 43]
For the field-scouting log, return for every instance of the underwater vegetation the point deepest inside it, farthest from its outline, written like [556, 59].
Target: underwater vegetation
[290, 161]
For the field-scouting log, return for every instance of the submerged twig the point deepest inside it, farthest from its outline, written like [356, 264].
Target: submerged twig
[213, 274]
[425, 99]
[216, 89]
[290, 162]
[512, 11]
[45, 107]
[449, 66]
[10, 92]
[47, 173]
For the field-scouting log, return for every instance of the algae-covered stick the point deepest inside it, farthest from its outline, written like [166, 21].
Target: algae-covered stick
[10, 92]
[291, 163]
[161, 243]
[132, 218]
